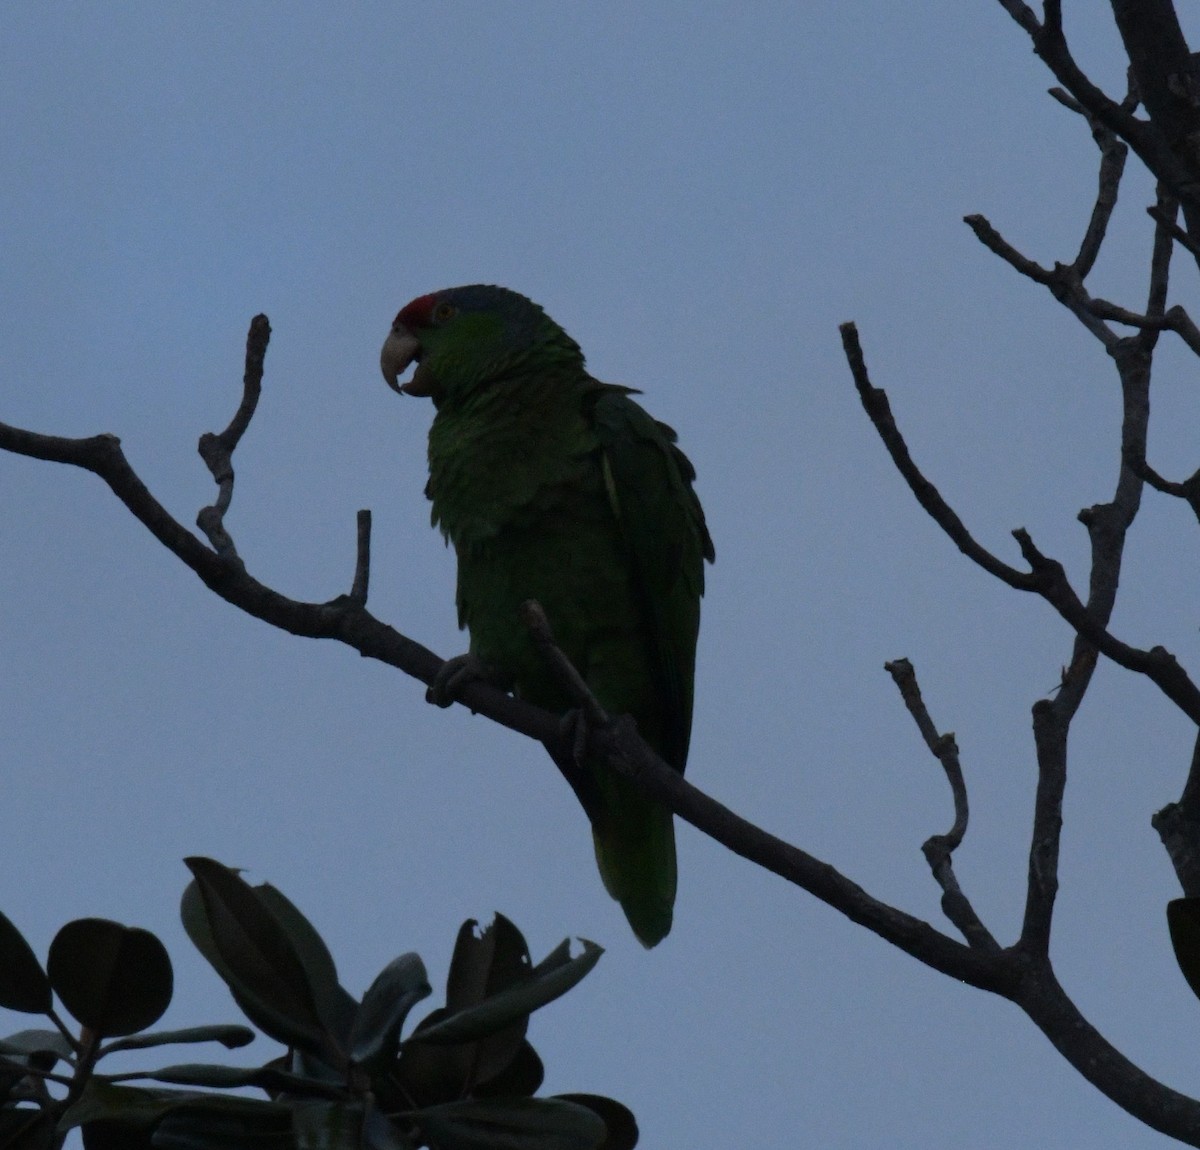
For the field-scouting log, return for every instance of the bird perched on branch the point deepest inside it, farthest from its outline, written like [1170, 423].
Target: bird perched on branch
[556, 487]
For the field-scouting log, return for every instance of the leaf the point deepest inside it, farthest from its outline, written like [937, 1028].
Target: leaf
[22, 1129]
[335, 1005]
[195, 923]
[268, 1078]
[484, 962]
[342, 1126]
[142, 1108]
[257, 958]
[427, 1074]
[379, 1133]
[103, 1101]
[24, 986]
[520, 1078]
[511, 1124]
[229, 1035]
[401, 984]
[1183, 921]
[40, 1048]
[214, 1125]
[549, 980]
[622, 1126]
[116, 1136]
[114, 979]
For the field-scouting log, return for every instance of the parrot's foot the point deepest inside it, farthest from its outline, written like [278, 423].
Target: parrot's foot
[454, 675]
[576, 732]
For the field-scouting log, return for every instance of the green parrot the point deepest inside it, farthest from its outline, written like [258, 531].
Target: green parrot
[556, 487]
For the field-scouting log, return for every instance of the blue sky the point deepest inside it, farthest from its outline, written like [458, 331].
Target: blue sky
[699, 194]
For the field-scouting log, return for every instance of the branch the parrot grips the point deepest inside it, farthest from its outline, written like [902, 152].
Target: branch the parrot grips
[454, 676]
[588, 714]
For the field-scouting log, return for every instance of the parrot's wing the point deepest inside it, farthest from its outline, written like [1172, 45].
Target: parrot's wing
[649, 484]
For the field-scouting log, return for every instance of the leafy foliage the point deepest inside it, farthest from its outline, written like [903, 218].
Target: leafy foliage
[463, 1079]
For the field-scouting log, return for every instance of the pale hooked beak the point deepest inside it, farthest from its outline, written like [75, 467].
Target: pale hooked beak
[399, 350]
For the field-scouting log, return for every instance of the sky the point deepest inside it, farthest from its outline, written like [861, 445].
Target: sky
[699, 194]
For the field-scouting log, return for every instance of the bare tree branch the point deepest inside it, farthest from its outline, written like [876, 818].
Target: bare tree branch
[875, 401]
[346, 619]
[1046, 576]
[1177, 233]
[1144, 136]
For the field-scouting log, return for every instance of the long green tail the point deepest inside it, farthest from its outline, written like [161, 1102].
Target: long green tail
[635, 851]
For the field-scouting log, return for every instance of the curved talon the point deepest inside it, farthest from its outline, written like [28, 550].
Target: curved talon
[577, 731]
[452, 677]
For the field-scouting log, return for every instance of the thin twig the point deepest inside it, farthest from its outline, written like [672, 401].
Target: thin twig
[1176, 320]
[1065, 281]
[564, 670]
[1050, 740]
[1112, 166]
[362, 562]
[217, 450]
[938, 849]
[875, 402]
[942, 746]
[1177, 233]
[1160, 259]
[1046, 576]
[1156, 663]
[995, 242]
[1151, 145]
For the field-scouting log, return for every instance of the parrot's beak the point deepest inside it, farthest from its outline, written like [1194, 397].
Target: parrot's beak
[400, 349]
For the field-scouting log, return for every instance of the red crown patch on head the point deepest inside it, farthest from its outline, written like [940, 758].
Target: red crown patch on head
[417, 313]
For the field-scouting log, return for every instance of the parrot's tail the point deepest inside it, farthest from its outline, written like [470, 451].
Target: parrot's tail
[635, 850]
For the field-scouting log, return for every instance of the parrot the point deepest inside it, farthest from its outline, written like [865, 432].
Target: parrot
[553, 486]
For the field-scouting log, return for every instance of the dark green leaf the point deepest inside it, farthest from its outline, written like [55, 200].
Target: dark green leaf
[25, 1043]
[429, 1074]
[103, 1101]
[398, 988]
[115, 1107]
[210, 1126]
[258, 960]
[622, 1126]
[1183, 920]
[106, 1135]
[27, 1130]
[270, 1078]
[511, 1124]
[23, 983]
[227, 1034]
[195, 923]
[379, 1133]
[520, 1078]
[114, 979]
[345, 1126]
[485, 962]
[548, 981]
[335, 1005]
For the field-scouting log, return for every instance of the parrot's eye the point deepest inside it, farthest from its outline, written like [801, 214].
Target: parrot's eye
[443, 312]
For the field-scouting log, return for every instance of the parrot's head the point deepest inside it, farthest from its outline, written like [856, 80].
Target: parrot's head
[464, 338]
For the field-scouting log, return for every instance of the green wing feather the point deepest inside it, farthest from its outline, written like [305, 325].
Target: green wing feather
[649, 484]
[648, 481]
